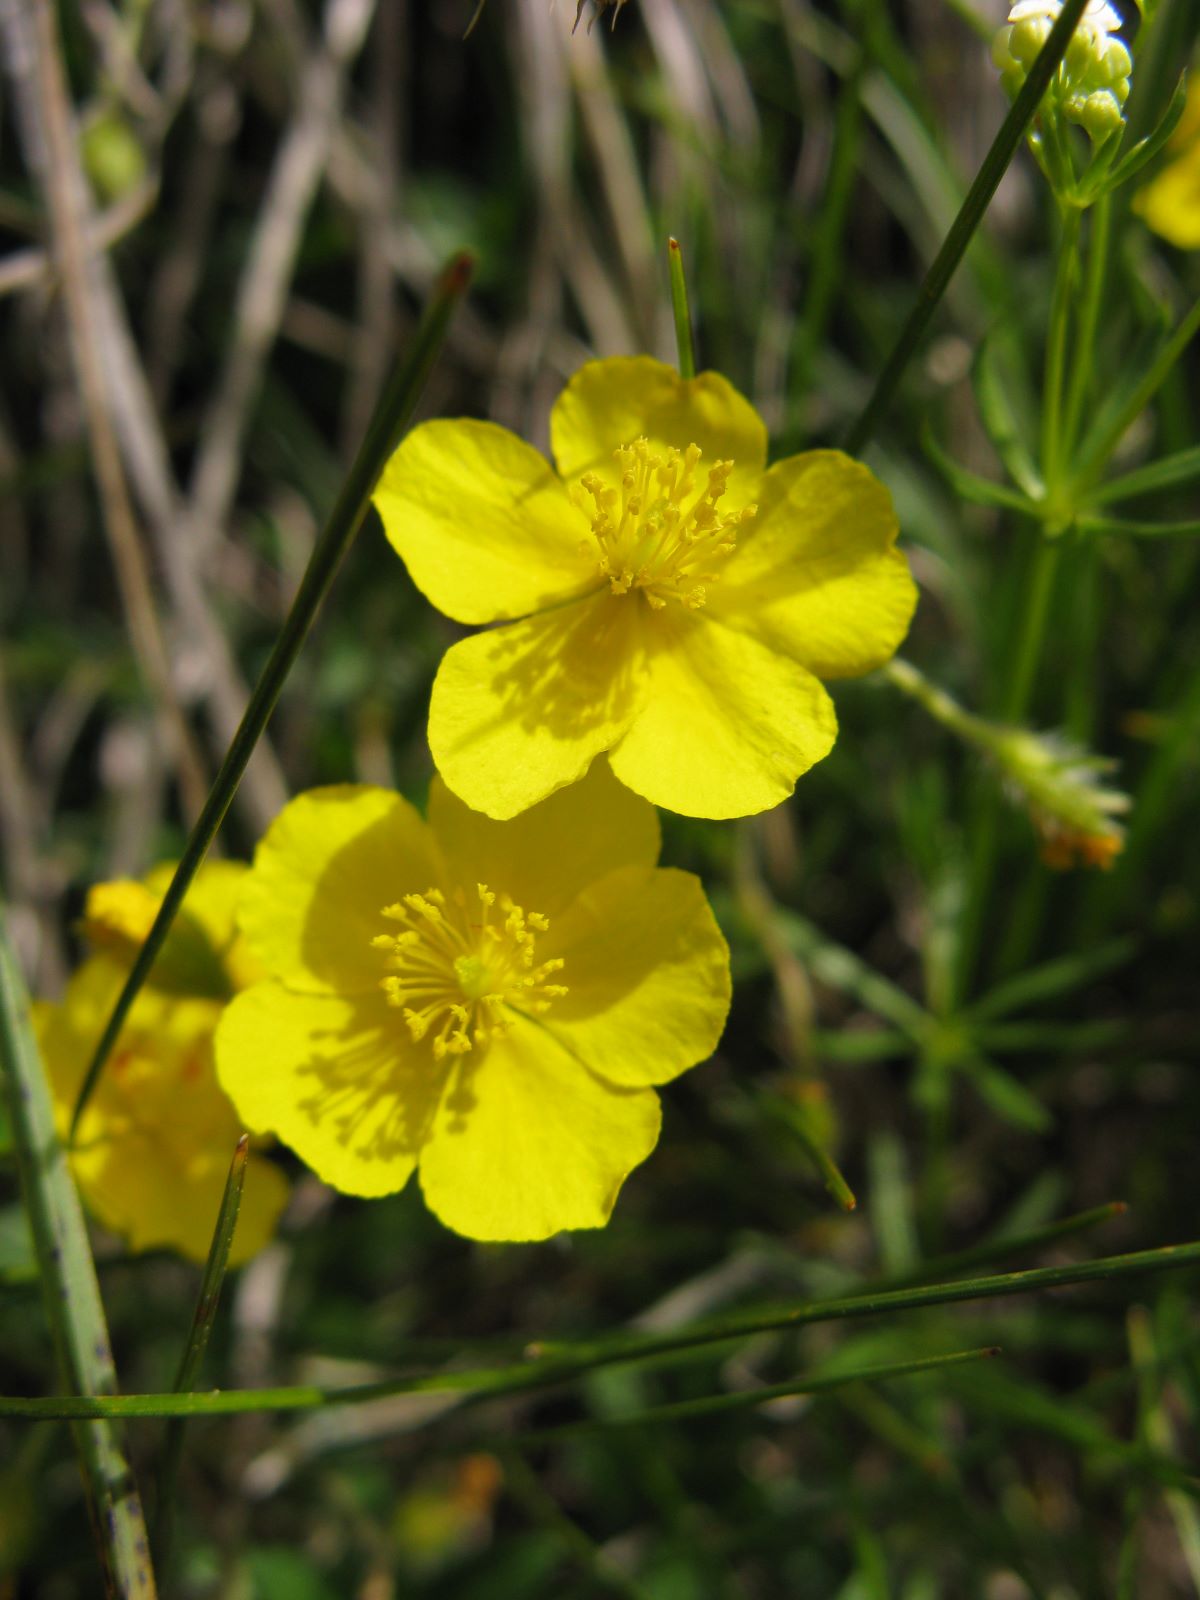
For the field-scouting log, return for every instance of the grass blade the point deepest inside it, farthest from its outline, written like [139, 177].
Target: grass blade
[70, 1291]
[683, 315]
[1015, 1245]
[793, 1116]
[197, 1342]
[391, 417]
[954, 247]
[746, 1399]
[1167, 473]
[561, 1363]
[1049, 980]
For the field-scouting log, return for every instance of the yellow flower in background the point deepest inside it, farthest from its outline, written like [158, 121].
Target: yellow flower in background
[489, 1002]
[681, 602]
[153, 1147]
[1170, 202]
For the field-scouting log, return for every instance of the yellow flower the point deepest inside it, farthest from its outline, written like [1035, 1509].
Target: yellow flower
[1170, 203]
[681, 603]
[153, 1148]
[490, 1002]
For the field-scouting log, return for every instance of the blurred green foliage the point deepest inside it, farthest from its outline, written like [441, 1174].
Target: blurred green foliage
[982, 1062]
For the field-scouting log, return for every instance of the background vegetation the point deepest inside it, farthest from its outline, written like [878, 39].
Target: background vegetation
[984, 1044]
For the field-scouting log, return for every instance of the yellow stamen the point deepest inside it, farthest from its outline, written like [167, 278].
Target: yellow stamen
[458, 972]
[659, 533]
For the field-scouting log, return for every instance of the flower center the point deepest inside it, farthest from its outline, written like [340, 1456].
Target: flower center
[655, 529]
[458, 963]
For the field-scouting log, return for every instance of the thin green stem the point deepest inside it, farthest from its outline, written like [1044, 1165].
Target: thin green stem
[1034, 617]
[551, 1364]
[1089, 319]
[683, 315]
[1013, 708]
[954, 247]
[1056, 349]
[391, 417]
[745, 1399]
[192, 1358]
[70, 1292]
[1019, 1244]
[792, 1115]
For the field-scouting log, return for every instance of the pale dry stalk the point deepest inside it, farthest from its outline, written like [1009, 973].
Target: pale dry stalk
[68, 206]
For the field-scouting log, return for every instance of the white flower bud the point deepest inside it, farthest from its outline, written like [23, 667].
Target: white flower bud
[1092, 83]
[1099, 113]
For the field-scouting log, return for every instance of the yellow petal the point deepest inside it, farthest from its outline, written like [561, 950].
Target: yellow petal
[1170, 204]
[140, 1189]
[818, 576]
[647, 975]
[339, 1080]
[482, 523]
[611, 403]
[528, 1142]
[550, 853]
[212, 903]
[727, 725]
[521, 711]
[322, 874]
[154, 1145]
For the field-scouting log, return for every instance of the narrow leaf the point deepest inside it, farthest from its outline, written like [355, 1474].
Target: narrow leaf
[683, 316]
[1048, 981]
[747, 1399]
[969, 486]
[1166, 473]
[194, 1350]
[70, 1292]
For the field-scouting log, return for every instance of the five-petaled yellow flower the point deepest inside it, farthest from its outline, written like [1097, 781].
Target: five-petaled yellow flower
[681, 601]
[489, 1002]
[1170, 202]
[153, 1147]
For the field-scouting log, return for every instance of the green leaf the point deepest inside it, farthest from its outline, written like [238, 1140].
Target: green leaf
[968, 485]
[1146, 149]
[70, 1291]
[1001, 419]
[841, 969]
[1134, 529]
[1048, 981]
[1007, 1097]
[1166, 473]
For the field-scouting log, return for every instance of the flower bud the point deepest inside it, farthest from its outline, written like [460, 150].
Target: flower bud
[1100, 114]
[1028, 37]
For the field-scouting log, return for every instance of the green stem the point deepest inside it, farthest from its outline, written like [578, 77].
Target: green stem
[683, 316]
[970, 215]
[391, 417]
[1056, 350]
[552, 1364]
[1035, 615]
[792, 1116]
[190, 1363]
[744, 1399]
[1018, 1244]
[1013, 708]
[70, 1292]
[1089, 319]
